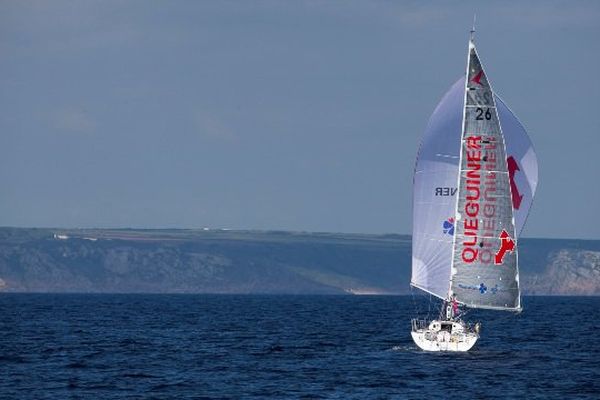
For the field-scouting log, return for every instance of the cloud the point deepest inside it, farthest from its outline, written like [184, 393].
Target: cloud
[211, 126]
[72, 119]
[66, 26]
[552, 14]
[420, 15]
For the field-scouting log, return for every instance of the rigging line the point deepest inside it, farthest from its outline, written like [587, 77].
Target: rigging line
[412, 295]
[416, 302]
[429, 307]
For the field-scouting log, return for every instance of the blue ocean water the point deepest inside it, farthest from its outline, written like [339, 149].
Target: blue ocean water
[344, 347]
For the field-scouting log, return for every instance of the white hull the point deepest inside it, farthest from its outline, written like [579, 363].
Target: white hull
[444, 336]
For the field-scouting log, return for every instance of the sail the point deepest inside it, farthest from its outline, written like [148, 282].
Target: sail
[435, 186]
[434, 195]
[484, 257]
[522, 163]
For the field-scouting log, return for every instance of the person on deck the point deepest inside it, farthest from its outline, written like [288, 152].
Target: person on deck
[455, 310]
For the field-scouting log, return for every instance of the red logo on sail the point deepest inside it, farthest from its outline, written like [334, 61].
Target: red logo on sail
[513, 167]
[477, 78]
[506, 244]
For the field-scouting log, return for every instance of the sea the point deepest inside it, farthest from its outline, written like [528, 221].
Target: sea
[103, 346]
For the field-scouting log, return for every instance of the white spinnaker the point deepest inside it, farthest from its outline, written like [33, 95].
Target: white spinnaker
[519, 146]
[434, 201]
[436, 174]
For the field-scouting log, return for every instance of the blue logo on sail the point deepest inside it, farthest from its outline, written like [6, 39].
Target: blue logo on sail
[448, 226]
[482, 288]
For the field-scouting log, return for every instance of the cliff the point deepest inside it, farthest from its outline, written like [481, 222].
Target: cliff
[221, 261]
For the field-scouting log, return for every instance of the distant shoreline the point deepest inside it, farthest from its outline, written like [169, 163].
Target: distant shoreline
[207, 261]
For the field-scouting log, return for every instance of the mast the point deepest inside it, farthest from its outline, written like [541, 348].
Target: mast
[462, 130]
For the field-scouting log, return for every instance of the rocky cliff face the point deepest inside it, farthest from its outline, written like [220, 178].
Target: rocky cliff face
[189, 261]
[162, 261]
[568, 271]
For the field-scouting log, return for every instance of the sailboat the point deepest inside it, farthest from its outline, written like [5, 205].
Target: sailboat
[474, 181]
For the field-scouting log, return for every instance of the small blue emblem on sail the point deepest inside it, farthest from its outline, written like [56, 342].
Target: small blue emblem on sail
[449, 226]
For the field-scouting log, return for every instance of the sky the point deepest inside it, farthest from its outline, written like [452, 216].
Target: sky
[292, 115]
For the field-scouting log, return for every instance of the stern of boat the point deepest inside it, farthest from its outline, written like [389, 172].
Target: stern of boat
[430, 337]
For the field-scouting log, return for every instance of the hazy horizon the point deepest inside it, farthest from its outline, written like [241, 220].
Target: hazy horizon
[266, 230]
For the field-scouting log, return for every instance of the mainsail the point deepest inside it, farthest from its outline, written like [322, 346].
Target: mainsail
[458, 223]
